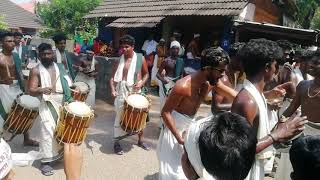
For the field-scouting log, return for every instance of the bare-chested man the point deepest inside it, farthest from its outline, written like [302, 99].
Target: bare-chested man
[88, 68]
[49, 81]
[169, 72]
[251, 104]
[308, 97]
[11, 79]
[233, 78]
[128, 75]
[181, 106]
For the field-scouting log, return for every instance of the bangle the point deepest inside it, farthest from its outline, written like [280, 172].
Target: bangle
[273, 139]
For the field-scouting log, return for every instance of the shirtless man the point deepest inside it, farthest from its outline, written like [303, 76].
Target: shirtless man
[11, 79]
[181, 106]
[49, 82]
[128, 75]
[170, 70]
[233, 78]
[251, 104]
[308, 94]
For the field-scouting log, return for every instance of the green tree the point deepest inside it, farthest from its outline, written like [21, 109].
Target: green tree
[65, 15]
[3, 25]
[306, 12]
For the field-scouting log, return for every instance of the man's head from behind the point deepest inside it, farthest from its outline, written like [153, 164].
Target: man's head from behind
[235, 62]
[226, 145]
[7, 40]
[45, 54]
[259, 57]
[127, 43]
[213, 63]
[60, 41]
[305, 158]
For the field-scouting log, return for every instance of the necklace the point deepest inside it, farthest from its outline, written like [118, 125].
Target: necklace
[312, 96]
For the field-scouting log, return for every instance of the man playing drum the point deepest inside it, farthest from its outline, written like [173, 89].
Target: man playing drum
[88, 70]
[128, 75]
[49, 81]
[11, 79]
[181, 106]
[169, 72]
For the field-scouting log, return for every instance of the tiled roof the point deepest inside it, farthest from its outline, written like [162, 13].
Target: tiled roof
[151, 8]
[16, 16]
[148, 22]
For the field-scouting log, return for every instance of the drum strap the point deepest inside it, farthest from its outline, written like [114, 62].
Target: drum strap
[138, 66]
[179, 68]
[66, 90]
[70, 67]
[17, 63]
[3, 113]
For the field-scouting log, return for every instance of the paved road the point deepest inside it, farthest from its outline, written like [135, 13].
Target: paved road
[99, 161]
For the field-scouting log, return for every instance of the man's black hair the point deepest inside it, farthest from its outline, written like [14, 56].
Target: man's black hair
[285, 44]
[44, 46]
[212, 56]
[305, 158]
[228, 146]
[59, 37]
[127, 39]
[15, 34]
[4, 34]
[235, 47]
[257, 53]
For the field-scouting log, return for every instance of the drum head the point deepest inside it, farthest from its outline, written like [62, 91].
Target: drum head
[83, 87]
[29, 102]
[79, 108]
[138, 101]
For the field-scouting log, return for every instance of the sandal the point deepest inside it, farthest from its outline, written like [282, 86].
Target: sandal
[117, 149]
[143, 145]
[47, 170]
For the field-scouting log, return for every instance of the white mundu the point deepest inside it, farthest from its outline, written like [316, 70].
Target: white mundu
[169, 151]
[50, 150]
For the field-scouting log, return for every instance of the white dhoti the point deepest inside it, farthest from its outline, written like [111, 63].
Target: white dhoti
[169, 151]
[49, 149]
[91, 99]
[123, 92]
[49, 113]
[8, 93]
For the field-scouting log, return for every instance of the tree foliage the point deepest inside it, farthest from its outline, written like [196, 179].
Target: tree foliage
[3, 25]
[306, 12]
[65, 15]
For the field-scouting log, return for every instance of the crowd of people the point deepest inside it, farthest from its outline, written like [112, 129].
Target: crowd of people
[265, 96]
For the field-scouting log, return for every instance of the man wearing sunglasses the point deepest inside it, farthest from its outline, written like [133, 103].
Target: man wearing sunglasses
[181, 106]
